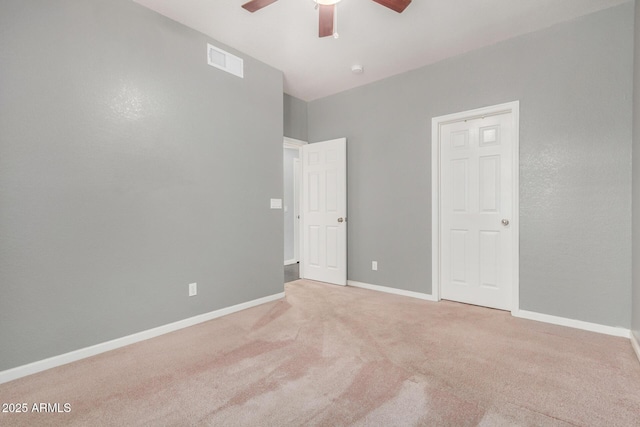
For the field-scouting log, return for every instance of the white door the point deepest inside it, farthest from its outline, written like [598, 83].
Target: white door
[476, 211]
[324, 211]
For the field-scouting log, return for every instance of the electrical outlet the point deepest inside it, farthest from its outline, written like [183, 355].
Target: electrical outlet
[374, 265]
[193, 289]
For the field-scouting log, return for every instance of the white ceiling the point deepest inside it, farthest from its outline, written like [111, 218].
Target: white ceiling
[285, 34]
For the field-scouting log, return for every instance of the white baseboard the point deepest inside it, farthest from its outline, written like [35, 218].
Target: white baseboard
[578, 324]
[636, 345]
[63, 359]
[389, 290]
[290, 261]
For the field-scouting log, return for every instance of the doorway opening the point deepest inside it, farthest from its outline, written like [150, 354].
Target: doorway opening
[315, 209]
[291, 207]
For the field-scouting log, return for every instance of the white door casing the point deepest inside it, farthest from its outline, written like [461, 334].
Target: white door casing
[296, 144]
[296, 209]
[475, 207]
[324, 211]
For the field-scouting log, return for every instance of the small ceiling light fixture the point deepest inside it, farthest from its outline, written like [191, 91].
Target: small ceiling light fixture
[357, 69]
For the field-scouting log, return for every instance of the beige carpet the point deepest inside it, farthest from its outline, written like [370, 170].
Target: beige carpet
[334, 356]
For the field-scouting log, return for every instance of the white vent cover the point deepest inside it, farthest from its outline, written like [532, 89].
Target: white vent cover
[218, 58]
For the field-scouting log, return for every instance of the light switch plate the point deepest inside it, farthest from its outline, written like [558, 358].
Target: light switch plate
[276, 203]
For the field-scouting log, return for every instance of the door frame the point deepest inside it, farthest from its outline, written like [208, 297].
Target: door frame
[436, 123]
[297, 200]
[296, 144]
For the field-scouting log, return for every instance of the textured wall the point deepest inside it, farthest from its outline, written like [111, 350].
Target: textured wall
[127, 171]
[574, 84]
[295, 118]
[636, 179]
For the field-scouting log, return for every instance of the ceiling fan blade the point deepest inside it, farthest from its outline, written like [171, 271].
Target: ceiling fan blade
[325, 28]
[254, 5]
[397, 5]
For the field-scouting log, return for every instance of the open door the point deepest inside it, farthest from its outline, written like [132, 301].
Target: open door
[324, 211]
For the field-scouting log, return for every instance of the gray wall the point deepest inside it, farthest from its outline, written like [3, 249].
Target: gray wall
[288, 203]
[127, 171]
[574, 82]
[635, 325]
[295, 118]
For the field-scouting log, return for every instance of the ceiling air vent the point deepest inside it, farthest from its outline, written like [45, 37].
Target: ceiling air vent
[218, 58]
